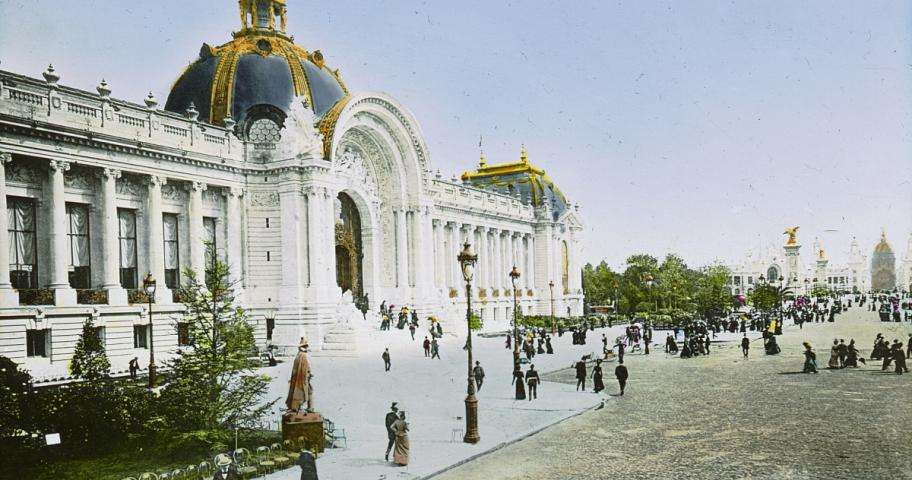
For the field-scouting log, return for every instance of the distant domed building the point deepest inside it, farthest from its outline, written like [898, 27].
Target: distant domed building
[883, 266]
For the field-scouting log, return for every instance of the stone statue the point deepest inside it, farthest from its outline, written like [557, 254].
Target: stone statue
[792, 235]
[300, 390]
[300, 136]
[822, 254]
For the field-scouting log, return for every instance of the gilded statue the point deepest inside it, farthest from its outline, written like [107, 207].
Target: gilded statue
[821, 254]
[792, 235]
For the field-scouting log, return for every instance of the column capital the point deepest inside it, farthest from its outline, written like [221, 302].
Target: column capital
[233, 192]
[196, 187]
[156, 180]
[481, 229]
[59, 166]
[5, 157]
[111, 173]
[452, 223]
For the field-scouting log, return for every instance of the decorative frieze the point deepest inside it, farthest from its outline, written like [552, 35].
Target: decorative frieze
[264, 199]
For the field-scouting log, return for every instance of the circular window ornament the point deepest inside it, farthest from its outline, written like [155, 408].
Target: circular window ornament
[264, 46]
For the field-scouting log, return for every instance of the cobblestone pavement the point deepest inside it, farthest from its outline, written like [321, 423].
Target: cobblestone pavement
[720, 416]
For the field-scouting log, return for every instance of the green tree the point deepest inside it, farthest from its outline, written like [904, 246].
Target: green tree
[712, 297]
[768, 298]
[212, 387]
[13, 386]
[89, 358]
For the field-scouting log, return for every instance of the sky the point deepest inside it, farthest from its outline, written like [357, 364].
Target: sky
[702, 128]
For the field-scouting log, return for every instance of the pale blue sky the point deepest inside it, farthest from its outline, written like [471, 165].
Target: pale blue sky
[694, 127]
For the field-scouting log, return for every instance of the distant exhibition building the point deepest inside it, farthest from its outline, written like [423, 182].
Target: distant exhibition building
[883, 266]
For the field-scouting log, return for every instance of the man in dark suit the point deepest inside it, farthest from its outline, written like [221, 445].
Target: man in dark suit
[308, 465]
[620, 372]
[391, 417]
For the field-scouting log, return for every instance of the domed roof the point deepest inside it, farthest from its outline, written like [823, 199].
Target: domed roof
[261, 67]
[882, 246]
[522, 178]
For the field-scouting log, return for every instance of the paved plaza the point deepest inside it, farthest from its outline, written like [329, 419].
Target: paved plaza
[720, 416]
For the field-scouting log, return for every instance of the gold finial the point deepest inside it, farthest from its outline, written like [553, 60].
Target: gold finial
[792, 235]
[524, 154]
[482, 162]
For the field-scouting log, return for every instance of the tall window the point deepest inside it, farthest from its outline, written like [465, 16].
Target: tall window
[80, 273]
[20, 213]
[127, 234]
[172, 255]
[140, 336]
[36, 343]
[209, 240]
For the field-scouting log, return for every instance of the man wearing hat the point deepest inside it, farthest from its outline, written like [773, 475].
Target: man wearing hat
[224, 469]
[391, 418]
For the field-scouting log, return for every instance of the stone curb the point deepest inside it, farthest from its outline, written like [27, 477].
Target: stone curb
[506, 443]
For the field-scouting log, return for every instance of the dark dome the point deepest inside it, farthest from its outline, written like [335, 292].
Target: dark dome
[519, 178]
[258, 69]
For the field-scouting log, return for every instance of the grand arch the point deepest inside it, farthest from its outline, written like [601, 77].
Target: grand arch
[379, 158]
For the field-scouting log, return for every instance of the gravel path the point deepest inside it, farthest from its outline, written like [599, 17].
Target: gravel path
[720, 416]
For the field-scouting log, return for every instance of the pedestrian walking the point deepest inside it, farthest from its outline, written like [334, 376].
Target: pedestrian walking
[435, 349]
[134, 367]
[308, 464]
[620, 372]
[899, 358]
[479, 374]
[598, 383]
[745, 345]
[391, 418]
[620, 347]
[401, 452]
[386, 359]
[532, 381]
[810, 359]
[412, 330]
[427, 347]
[581, 375]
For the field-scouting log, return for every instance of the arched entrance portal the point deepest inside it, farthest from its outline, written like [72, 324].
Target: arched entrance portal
[349, 251]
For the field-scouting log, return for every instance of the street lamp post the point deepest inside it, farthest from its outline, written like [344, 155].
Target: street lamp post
[649, 283]
[806, 283]
[553, 322]
[149, 286]
[467, 261]
[520, 389]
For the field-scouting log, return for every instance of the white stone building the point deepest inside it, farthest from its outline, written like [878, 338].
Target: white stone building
[262, 157]
[785, 263]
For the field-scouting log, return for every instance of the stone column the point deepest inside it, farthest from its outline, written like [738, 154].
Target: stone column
[110, 242]
[292, 239]
[530, 262]
[195, 223]
[439, 254]
[8, 296]
[234, 251]
[156, 251]
[450, 255]
[496, 264]
[329, 245]
[401, 250]
[313, 267]
[59, 282]
[482, 269]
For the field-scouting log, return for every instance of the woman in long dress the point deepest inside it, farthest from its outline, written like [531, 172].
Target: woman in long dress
[597, 376]
[401, 451]
[834, 355]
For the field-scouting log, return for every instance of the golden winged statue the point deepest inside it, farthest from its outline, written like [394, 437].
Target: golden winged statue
[793, 235]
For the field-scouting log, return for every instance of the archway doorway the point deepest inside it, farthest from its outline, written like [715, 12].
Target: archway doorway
[349, 249]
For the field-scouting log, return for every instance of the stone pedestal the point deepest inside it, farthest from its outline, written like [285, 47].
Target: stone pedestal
[793, 258]
[308, 426]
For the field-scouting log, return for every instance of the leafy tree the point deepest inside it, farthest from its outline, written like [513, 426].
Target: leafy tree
[768, 298]
[712, 296]
[820, 291]
[212, 387]
[89, 358]
[13, 385]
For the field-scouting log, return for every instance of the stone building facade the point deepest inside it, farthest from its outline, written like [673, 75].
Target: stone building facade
[313, 195]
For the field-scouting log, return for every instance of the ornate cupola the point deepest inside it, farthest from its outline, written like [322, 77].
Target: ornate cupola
[252, 79]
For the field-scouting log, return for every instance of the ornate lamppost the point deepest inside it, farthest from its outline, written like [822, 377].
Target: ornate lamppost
[553, 322]
[149, 286]
[806, 283]
[467, 261]
[520, 388]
